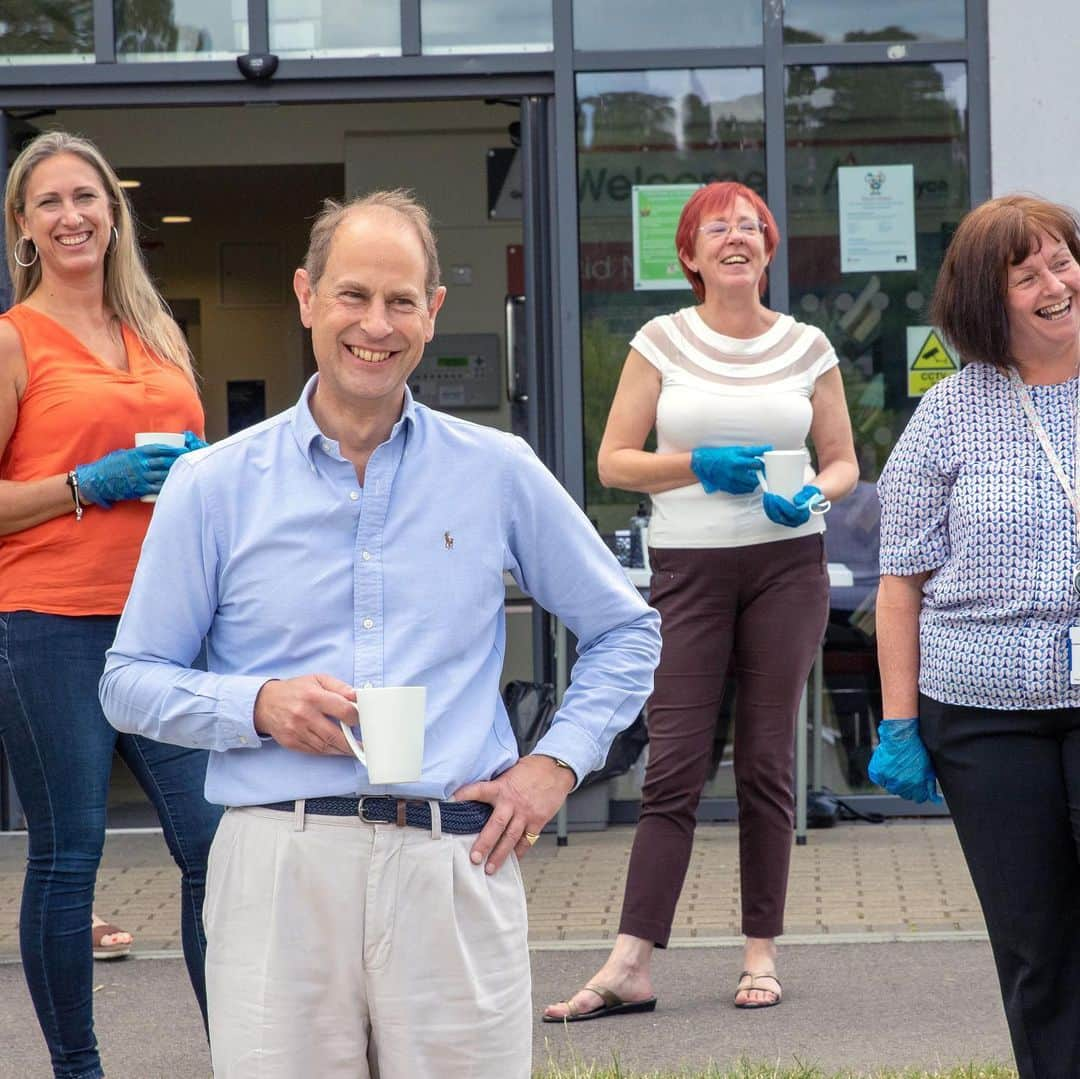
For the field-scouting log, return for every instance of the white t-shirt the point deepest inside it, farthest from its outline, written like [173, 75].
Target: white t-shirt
[726, 391]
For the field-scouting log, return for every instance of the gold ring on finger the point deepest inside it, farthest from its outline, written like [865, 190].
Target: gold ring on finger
[531, 837]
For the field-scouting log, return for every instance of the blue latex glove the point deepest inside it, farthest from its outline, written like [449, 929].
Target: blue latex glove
[791, 513]
[901, 764]
[125, 474]
[733, 469]
[193, 442]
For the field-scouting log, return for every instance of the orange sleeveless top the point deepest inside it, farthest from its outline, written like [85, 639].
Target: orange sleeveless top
[75, 409]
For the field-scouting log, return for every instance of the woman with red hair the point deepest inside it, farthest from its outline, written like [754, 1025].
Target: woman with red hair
[738, 574]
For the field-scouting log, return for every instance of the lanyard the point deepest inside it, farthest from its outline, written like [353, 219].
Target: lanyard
[1072, 490]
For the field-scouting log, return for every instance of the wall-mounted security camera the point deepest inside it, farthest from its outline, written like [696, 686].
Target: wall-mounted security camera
[257, 66]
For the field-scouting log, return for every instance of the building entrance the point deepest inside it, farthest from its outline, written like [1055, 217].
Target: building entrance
[225, 196]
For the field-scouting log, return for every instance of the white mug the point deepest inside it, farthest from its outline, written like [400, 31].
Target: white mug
[158, 438]
[391, 722]
[785, 471]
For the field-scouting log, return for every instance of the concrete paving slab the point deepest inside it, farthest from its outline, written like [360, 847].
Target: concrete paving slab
[901, 877]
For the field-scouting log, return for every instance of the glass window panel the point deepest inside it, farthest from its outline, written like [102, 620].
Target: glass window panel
[180, 29]
[452, 26]
[856, 20]
[46, 32]
[633, 24]
[868, 116]
[635, 128]
[314, 28]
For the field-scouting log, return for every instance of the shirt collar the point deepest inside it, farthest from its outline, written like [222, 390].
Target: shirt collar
[306, 430]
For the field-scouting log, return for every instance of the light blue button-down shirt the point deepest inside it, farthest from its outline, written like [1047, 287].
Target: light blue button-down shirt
[266, 545]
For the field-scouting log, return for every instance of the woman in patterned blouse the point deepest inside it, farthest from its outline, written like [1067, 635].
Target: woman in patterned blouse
[979, 562]
[737, 575]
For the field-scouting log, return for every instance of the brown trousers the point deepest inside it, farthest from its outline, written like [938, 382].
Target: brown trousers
[766, 605]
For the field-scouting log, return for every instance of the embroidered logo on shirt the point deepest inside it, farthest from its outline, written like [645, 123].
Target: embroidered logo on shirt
[448, 540]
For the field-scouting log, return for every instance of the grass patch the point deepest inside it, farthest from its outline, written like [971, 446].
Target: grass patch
[750, 1070]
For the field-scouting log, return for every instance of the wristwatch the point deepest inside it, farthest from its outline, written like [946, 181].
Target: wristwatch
[561, 764]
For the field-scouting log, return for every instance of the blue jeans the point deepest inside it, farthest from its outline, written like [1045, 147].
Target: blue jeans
[60, 749]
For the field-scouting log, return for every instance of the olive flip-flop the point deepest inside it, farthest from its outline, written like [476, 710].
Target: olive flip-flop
[756, 977]
[613, 1005]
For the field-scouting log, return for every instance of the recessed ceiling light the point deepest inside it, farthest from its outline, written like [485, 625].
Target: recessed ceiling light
[131, 183]
[176, 219]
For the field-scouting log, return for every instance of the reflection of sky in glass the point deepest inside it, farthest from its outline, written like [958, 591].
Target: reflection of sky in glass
[334, 28]
[202, 27]
[929, 20]
[731, 92]
[634, 24]
[955, 78]
[485, 25]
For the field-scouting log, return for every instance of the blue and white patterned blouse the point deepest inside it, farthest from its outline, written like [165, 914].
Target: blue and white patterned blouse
[969, 496]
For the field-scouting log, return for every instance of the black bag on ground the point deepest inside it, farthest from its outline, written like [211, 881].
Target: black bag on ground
[531, 708]
[824, 809]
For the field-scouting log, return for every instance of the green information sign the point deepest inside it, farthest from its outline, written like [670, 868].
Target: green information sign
[656, 209]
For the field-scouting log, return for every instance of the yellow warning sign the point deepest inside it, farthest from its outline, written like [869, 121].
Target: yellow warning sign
[929, 359]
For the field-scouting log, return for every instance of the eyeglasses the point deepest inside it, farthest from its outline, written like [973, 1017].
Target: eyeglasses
[746, 227]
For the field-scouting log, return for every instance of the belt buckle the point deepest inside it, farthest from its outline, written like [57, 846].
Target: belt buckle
[363, 815]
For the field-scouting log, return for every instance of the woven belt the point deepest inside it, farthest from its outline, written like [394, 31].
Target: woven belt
[458, 818]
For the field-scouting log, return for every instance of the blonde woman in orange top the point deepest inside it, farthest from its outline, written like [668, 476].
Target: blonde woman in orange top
[88, 357]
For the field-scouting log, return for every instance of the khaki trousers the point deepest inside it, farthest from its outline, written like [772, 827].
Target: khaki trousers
[338, 949]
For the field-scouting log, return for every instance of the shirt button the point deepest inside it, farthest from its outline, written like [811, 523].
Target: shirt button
[354, 495]
[326, 446]
[367, 685]
[368, 623]
[366, 556]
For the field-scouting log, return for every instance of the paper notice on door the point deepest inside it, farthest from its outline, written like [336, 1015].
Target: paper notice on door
[656, 209]
[877, 217]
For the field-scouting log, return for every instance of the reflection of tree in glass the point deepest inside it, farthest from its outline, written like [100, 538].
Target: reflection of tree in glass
[46, 26]
[794, 36]
[856, 103]
[886, 33]
[602, 354]
[630, 119]
[144, 26]
[697, 122]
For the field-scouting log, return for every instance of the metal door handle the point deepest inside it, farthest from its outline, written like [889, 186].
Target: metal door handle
[511, 348]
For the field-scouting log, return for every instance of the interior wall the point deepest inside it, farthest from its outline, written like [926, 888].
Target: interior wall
[264, 134]
[447, 170]
[234, 205]
[247, 175]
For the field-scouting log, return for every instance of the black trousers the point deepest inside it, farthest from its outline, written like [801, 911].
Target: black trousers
[1012, 781]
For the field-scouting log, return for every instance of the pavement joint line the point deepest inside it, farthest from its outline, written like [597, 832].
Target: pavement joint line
[955, 936]
[801, 939]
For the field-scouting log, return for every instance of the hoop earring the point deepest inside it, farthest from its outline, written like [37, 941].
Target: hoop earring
[115, 240]
[15, 252]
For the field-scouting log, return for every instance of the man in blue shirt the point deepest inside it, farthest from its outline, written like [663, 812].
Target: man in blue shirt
[360, 539]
